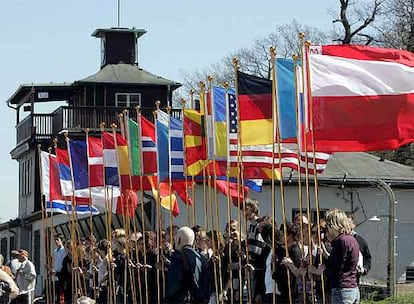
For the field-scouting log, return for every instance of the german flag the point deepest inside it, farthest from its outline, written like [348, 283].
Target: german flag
[195, 142]
[255, 110]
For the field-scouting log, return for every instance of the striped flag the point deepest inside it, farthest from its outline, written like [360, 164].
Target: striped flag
[55, 201]
[149, 147]
[163, 146]
[176, 137]
[262, 155]
[134, 147]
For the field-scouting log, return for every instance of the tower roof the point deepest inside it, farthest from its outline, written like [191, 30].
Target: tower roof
[127, 74]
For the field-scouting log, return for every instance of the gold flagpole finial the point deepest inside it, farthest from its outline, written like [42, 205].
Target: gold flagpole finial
[113, 126]
[273, 51]
[226, 85]
[202, 85]
[87, 130]
[307, 43]
[66, 135]
[236, 62]
[210, 78]
[137, 108]
[55, 141]
[301, 35]
[295, 57]
[157, 104]
[191, 92]
[102, 126]
[120, 115]
[183, 102]
[168, 109]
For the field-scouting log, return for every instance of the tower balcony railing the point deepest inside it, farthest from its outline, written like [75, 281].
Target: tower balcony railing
[37, 127]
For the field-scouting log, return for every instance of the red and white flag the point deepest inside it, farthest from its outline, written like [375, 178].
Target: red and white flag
[362, 97]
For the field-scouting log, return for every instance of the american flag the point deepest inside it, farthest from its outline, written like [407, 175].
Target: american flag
[262, 156]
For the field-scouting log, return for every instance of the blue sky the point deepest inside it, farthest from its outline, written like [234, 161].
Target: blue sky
[50, 41]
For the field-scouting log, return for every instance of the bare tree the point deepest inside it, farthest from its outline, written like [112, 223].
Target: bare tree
[357, 19]
[397, 29]
[256, 60]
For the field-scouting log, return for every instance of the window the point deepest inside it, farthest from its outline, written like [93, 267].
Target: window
[25, 177]
[127, 100]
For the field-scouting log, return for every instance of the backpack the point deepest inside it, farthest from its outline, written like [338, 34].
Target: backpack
[4, 293]
[200, 288]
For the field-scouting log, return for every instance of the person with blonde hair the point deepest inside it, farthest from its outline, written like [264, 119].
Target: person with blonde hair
[341, 266]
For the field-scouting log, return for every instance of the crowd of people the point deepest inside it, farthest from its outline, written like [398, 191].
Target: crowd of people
[296, 262]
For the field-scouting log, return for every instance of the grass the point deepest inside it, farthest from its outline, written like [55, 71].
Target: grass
[406, 299]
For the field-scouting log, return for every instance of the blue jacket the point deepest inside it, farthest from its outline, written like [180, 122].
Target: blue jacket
[184, 280]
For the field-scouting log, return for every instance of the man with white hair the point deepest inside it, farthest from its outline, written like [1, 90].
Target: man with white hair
[188, 279]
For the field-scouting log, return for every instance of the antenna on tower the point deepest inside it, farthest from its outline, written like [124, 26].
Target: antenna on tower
[119, 13]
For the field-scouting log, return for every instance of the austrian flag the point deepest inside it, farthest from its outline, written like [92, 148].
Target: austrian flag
[362, 97]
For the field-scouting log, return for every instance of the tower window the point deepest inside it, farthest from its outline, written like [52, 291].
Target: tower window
[127, 100]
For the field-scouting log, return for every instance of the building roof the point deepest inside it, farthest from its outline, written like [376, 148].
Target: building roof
[99, 33]
[359, 167]
[63, 91]
[127, 74]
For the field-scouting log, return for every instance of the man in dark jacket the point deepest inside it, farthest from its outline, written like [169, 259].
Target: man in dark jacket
[187, 277]
[363, 249]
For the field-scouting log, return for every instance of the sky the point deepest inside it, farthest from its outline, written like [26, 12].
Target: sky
[50, 41]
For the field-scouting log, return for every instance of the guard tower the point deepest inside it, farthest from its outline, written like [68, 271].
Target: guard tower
[120, 84]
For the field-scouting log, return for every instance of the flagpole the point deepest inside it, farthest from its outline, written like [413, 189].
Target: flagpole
[193, 188]
[124, 121]
[168, 109]
[226, 87]
[74, 232]
[215, 192]
[44, 228]
[143, 215]
[108, 225]
[273, 195]
[158, 206]
[52, 258]
[239, 171]
[90, 206]
[305, 145]
[210, 186]
[202, 95]
[315, 169]
[299, 158]
[275, 102]
[124, 199]
[185, 165]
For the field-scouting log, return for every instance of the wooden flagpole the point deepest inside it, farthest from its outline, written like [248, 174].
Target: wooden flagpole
[210, 187]
[202, 95]
[240, 174]
[230, 264]
[48, 267]
[127, 215]
[143, 215]
[159, 220]
[275, 102]
[193, 188]
[305, 146]
[299, 158]
[187, 206]
[315, 171]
